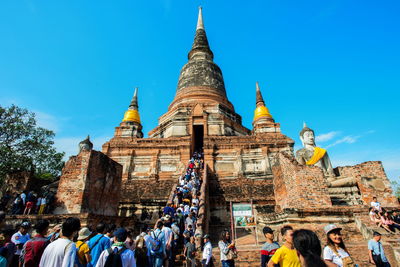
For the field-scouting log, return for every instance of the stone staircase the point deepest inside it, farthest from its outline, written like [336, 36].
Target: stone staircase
[390, 241]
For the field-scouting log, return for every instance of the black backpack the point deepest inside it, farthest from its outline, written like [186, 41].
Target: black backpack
[114, 257]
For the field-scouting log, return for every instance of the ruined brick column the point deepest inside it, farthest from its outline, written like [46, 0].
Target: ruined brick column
[298, 186]
[90, 183]
[372, 181]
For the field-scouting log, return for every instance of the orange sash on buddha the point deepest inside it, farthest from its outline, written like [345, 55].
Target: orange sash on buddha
[319, 153]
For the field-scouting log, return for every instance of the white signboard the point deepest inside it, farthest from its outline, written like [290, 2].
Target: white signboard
[242, 210]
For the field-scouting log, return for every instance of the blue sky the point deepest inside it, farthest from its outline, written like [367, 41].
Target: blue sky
[333, 64]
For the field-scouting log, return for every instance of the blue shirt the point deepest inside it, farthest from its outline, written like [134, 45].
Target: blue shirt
[3, 262]
[169, 210]
[377, 249]
[159, 235]
[95, 252]
[149, 243]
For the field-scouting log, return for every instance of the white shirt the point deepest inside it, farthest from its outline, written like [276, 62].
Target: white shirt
[19, 238]
[376, 205]
[127, 258]
[207, 251]
[186, 209]
[61, 252]
[149, 243]
[189, 221]
[167, 233]
[23, 197]
[329, 254]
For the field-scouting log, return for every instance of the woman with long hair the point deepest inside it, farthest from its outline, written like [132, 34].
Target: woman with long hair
[308, 248]
[335, 251]
[227, 249]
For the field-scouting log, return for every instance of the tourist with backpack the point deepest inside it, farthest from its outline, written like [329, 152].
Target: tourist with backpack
[118, 255]
[157, 250]
[98, 243]
[141, 252]
[149, 242]
[34, 248]
[83, 250]
[62, 252]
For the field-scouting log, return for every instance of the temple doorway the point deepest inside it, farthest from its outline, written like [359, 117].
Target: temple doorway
[197, 139]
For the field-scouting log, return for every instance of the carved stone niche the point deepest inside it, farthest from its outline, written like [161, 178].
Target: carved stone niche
[197, 111]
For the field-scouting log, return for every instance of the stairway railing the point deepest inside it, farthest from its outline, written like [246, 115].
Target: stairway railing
[203, 213]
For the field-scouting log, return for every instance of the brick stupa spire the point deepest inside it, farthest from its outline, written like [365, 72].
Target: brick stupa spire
[200, 74]
[261, 110]
[131, 125]
[132, 114]
[200, 93]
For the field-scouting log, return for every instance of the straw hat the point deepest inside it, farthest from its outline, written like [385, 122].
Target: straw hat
[84, 233]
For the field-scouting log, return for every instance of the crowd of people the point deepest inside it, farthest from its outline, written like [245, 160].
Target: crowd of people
[302, 248]
[27, 202]
[379, 216]
[69, 245]
[66, 245]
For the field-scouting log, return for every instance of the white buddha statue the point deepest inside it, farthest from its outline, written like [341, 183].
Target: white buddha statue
[312, 155]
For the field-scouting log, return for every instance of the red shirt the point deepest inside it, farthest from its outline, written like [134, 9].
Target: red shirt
[33, 250]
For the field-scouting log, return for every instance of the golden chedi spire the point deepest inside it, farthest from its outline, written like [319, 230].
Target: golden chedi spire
[132, 114]
[261, 110]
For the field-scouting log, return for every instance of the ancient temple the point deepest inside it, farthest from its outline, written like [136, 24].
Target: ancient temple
[132, 173]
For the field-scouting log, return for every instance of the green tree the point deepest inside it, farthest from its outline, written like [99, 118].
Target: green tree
[396, 189]
[26, 147]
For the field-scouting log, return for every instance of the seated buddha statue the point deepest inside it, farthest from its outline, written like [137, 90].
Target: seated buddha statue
[312, 155]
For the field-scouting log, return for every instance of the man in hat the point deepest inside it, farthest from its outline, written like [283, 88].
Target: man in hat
[207, 252]
[34, 248]
[20, 238]
[269, 247]
[118, 249]
[83, 250]
[376, 252]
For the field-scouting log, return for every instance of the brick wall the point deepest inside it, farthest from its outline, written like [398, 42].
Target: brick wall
[298, 186]
[90, 183]
[372, 181]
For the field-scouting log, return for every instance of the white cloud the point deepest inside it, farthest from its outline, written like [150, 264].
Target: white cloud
[350, 139]
[326, 137]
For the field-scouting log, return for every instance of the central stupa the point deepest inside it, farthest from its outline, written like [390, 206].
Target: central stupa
[200, 89]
